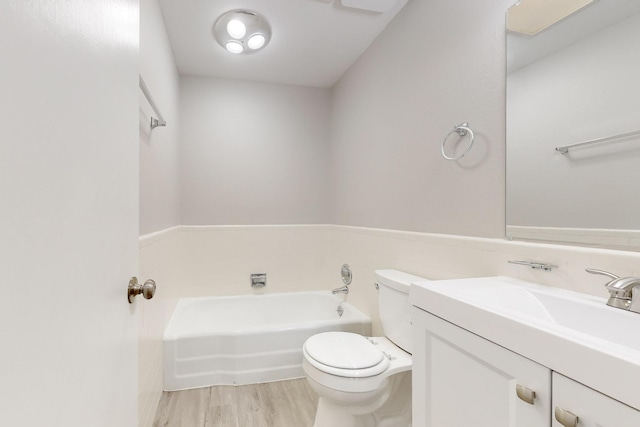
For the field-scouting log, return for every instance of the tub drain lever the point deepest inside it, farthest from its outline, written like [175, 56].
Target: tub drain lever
[259, 280]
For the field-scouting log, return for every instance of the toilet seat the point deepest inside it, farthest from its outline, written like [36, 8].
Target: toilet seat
[399, 361]
[345, 354]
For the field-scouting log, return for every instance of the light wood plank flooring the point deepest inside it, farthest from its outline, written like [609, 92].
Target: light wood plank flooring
[280, 404]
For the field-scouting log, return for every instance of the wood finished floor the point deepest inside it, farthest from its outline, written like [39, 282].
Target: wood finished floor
[280, 404]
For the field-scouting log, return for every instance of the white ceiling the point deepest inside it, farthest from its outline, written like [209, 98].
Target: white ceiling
[314, 42]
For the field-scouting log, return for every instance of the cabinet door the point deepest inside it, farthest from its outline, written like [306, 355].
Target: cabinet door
[593, 409]
[463, 380]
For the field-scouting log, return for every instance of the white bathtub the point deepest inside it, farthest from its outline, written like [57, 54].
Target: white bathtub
[249, 339]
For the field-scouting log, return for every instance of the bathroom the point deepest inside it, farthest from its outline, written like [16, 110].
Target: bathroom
[93, 198]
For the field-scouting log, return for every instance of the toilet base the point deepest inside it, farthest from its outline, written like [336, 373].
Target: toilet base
[333, 415]
[389, 407]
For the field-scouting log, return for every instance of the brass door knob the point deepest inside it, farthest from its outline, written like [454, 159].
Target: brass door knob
[148, 289]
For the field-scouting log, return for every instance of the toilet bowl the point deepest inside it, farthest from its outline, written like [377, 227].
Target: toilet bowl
[362, 381]
[355, 384]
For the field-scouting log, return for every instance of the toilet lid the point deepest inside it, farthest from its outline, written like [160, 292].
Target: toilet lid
[343, 350]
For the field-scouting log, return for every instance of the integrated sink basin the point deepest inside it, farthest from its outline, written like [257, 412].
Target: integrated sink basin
[584, 316]
[575, 334]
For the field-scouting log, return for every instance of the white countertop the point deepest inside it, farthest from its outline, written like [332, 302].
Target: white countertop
[574, 334]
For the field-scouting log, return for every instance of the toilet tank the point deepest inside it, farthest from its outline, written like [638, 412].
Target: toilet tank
[394, 307]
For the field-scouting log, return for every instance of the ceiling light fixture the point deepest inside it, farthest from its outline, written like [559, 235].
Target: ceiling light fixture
[242, 31]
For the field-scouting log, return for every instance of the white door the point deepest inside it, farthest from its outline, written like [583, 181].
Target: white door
[576, 404]
[68, 212]
[461, 380]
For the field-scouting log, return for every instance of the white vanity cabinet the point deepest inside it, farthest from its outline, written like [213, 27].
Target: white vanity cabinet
[593, 409]
[462, 380]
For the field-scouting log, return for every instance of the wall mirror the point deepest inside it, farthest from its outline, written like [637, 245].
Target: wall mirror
[573, 122]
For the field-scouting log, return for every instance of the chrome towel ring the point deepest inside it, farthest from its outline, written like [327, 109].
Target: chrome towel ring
[462, 130]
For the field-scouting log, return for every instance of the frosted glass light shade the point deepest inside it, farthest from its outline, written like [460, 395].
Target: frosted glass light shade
[242, 31]
[236, 29]
[234, 47]
[256, 41]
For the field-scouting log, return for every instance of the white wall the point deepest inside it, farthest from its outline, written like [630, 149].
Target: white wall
[585, 91]
[159, 200]
[159, 203]
[253, 153]
[439, 63]
[437, 256]
[217, 260]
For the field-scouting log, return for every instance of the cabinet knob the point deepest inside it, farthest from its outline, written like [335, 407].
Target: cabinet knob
[566, 418]
[525, 394]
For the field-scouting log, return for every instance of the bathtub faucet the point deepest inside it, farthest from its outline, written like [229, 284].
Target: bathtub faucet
[342, 290]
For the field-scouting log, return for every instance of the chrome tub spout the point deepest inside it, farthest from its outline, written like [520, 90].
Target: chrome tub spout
[342, 290]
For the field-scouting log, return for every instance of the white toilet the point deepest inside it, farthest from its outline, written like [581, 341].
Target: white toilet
[366, 382]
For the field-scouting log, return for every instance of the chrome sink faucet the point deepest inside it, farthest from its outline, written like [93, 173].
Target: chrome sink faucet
[342, 290]
[624, 293]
